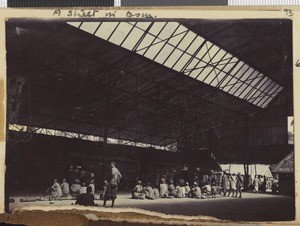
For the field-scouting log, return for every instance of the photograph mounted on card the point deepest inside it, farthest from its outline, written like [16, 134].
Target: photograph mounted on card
[173, 116]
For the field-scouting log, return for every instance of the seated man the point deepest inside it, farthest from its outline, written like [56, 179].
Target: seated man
[55, 190]
[156, 193]
[214, 190]
[206, 189]
[92, 185]
[178, 192]
[171, 189]
[86, 199]
[149, 192]
[65, 188]
[196, 191]
[83, 188]
[187, 190]
[163, 189]
[137, 192]
[183, 191]
[75, 187]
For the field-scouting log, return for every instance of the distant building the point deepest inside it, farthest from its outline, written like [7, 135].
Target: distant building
[285, 170]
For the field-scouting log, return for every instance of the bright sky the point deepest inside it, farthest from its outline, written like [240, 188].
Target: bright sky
[239, 168]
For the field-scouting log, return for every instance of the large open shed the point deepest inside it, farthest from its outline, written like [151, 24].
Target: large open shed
[210, 89]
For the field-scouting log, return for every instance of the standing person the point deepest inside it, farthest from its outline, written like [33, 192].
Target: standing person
[239, 185]
[213, 178]
[156, 179]
[175, 177]
[225, 183]
[204, 180]
[232, 182]
[106, 192]
[250, 182]
[261, 181]
[115, 173]
[109, 192]
[72, 175]
[77, 171]
[116, 176]
[196, 178]
[113, 188]
[184, 173]
[83, 176]
[256, 184]
[264, 185]
[167, 174]
[275, 185]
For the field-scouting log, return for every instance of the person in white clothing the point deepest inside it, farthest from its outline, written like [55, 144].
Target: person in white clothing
[232, 182]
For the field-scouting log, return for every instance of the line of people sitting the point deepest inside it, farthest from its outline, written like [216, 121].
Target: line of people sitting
[84, 192]
[230, 184]
[79, 180]
[171, 191]
[59, 191]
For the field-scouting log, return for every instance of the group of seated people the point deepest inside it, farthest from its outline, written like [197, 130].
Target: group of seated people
[58, 191]
[172, 191]
[79, 180]
[214, 187]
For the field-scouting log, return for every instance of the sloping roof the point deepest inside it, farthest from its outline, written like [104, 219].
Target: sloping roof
[66, 79]
[286, 165]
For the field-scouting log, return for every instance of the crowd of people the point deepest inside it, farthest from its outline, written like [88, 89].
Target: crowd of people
[83, 187]
[263, 184]
[172, 185]
[214, 187]
[78, 182]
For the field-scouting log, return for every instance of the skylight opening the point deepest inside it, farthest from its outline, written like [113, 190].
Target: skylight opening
[174, 46]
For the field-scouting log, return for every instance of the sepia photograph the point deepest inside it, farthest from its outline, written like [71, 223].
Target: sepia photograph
[190, 117]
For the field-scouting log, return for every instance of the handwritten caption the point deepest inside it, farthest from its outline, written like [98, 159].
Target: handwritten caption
[94, 13]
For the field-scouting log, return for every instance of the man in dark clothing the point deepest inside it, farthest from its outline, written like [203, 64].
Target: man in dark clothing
[77, 172]
[264, 185]
[72, 175]
[86, 199]
[239, 185]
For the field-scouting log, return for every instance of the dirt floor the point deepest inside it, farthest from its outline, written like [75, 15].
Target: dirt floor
[251, 207]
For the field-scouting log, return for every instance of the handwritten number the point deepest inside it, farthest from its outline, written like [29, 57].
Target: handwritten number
[288, 12]
[297, 63]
